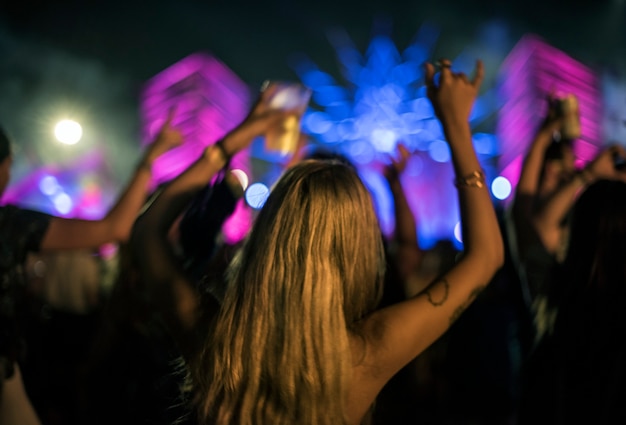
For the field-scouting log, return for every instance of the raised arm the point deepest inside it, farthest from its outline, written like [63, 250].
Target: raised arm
[116, 225]
[551, 213]
[171, 290]
[527, 188]
[399, 333]
[407, 254]
[528, 191]
[15, 406]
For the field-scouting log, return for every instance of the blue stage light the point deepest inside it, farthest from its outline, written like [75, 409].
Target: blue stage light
[379, 101]
[256, 195]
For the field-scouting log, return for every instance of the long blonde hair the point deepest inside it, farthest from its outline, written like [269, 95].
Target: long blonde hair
[278, 351]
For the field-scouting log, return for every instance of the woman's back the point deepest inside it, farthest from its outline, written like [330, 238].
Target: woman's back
[296, 337]
[301, 281]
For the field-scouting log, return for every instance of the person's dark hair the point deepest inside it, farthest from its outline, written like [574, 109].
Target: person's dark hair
[202, 222]
[5, 144]
[597, 245]
[591, 318]
[594, 266]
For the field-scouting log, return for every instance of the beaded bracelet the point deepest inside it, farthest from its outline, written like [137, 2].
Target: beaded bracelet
[474, 179]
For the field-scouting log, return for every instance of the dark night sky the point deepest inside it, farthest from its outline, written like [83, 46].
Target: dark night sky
[255, 39]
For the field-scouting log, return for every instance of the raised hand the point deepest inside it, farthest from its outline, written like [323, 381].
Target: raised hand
[167, 138]
[299, 154]
[454, 97]
[260, 118]
[398, 163]
[603, 165]
[552, 122]
[552, 115]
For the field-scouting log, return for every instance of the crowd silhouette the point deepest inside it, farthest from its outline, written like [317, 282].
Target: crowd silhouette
[316, 317]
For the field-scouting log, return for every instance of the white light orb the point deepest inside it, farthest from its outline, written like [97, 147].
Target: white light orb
[68, 132]
[384, 140]
[49, 185]
[501, 188]
[256, 195]
[63, 203]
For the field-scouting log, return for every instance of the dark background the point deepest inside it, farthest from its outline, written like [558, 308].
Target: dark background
[255, 39]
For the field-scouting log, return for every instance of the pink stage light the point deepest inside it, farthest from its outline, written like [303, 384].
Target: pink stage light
[209, 100]
[530, 72]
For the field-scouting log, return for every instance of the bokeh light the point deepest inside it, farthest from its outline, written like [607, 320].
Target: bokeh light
[439, 151]
[68, 132]
[208, 99]
[242, 177]
[49, 185]
[458, 232]
[256, 195]
[63, 203]
[380, 101]
[528, 76]
[501, 188]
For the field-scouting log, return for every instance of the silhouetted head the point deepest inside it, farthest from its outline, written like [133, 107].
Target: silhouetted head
[597, 246]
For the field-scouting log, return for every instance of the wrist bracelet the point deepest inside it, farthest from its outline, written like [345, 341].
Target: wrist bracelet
[474, 179]
[220, 146]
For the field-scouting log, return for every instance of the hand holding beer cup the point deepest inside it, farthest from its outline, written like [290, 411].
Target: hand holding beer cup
[287, 96]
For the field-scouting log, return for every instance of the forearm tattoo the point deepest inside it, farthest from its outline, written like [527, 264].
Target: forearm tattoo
[444, 297]
[460, 309]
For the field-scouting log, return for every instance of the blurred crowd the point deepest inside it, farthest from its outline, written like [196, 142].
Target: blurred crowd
[316, 317]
